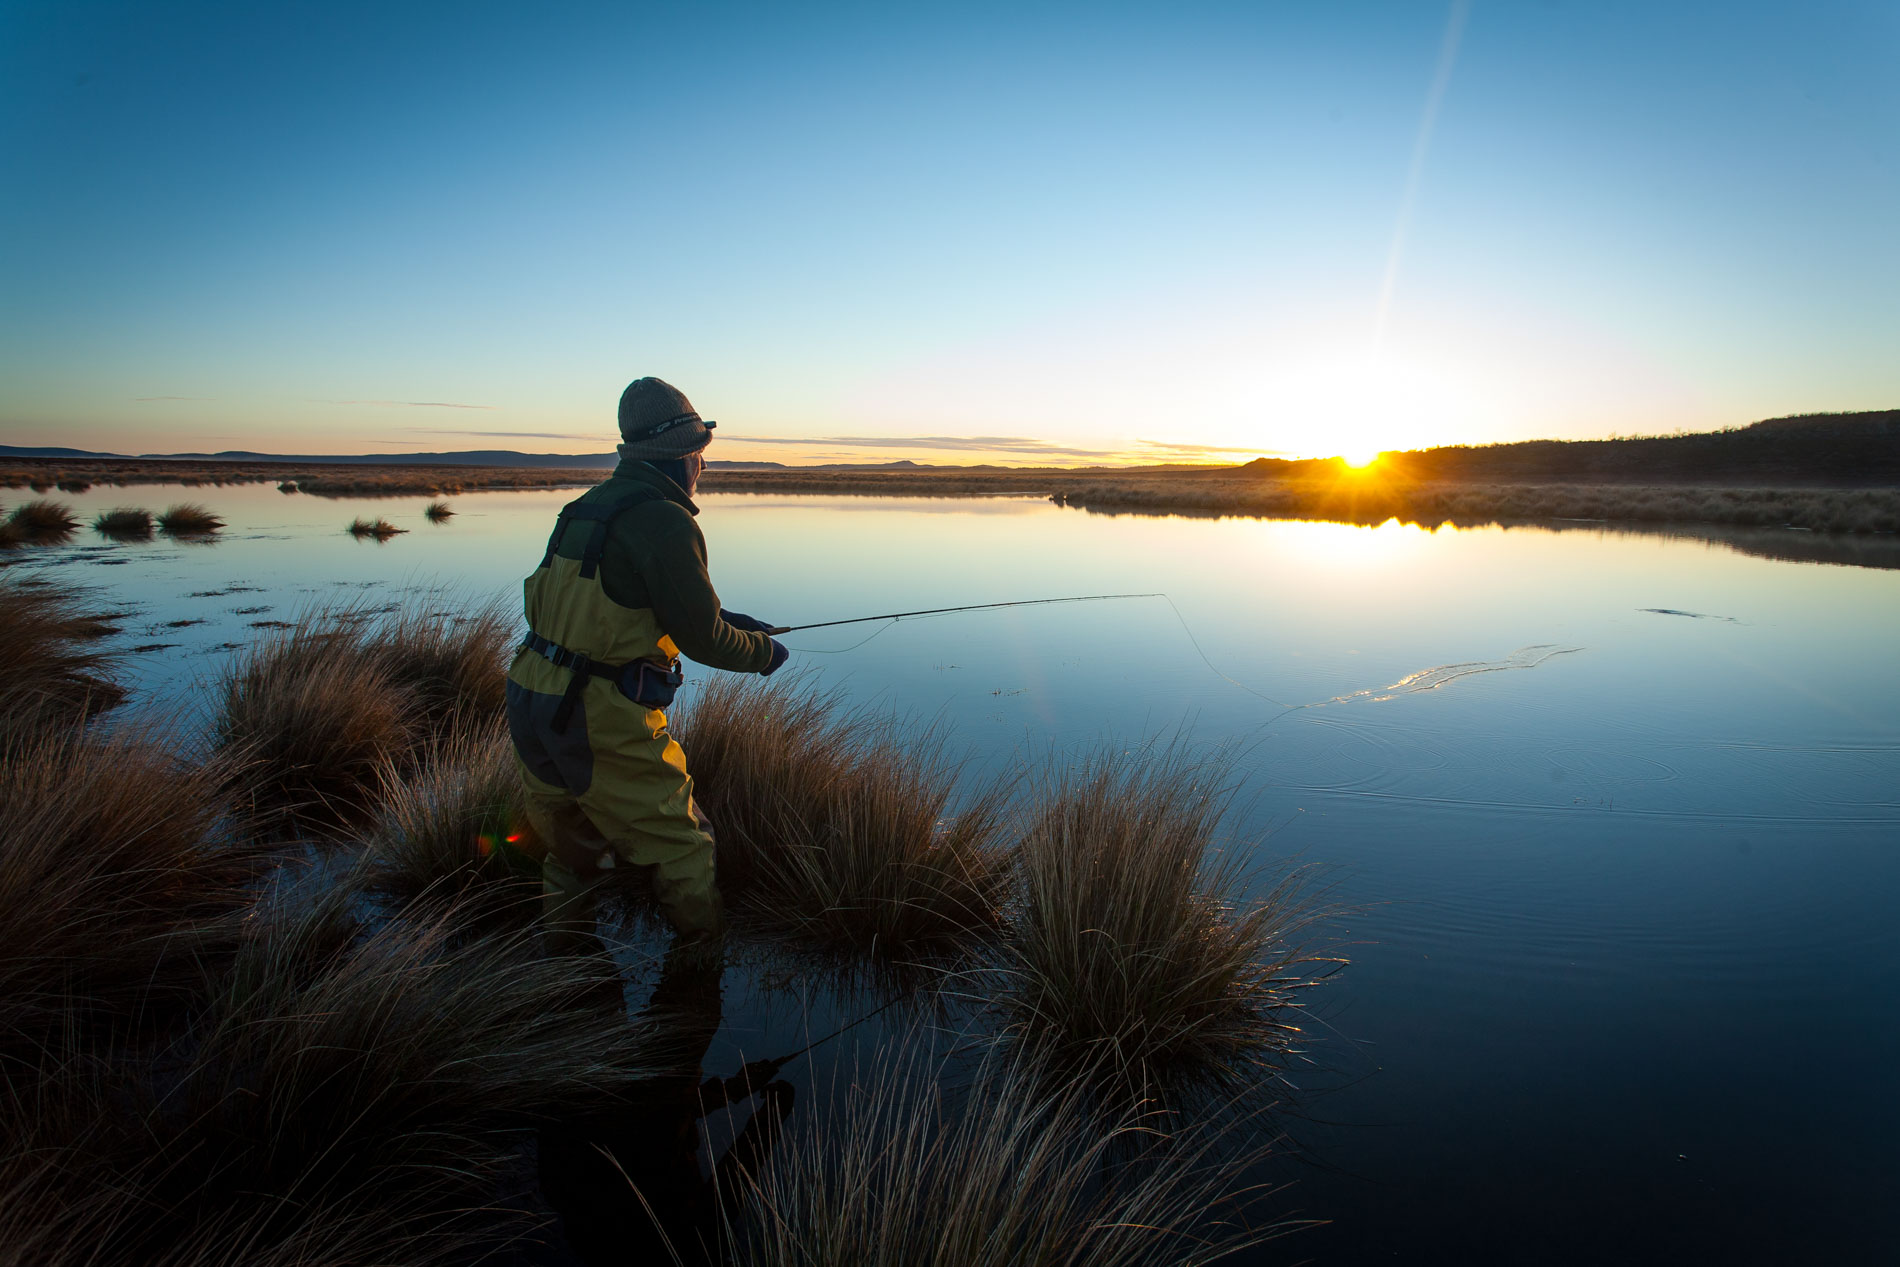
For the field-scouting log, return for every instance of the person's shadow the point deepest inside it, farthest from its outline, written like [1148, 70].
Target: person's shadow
[629, 1185]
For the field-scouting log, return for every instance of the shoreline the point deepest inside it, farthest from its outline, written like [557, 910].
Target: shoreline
[1338, 494]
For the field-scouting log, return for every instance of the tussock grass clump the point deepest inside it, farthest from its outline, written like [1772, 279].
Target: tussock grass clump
[379, 528]
[837, 827]
[327, 711]
[287, 486]
[315, 724]
[345, 1096]
[116, 869]
[130, 523]
[1128, 947]
[188, 519]
[408, 1046]
[1011, 1174]
[52, 666]
[437, 512]
[455, 662]
[457, 823]
[42, 519]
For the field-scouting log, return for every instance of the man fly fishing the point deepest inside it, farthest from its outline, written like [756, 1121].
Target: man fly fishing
[620, 594]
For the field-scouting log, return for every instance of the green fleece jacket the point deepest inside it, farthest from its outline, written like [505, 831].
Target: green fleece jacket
[655, 557]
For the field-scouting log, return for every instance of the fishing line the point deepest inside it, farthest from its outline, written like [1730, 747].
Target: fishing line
[969, 607]
[876, 633]
[1215, 670]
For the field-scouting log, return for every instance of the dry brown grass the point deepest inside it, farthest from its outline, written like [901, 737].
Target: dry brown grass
[1372, 499]
[41, 521]
[326, 712]
[1020, 1171]
[315, 726]
[116, 870]
[1130, 948]
[839, 827]
[125, 523]
[438, 512]
[457, 825]
[54, 667]
[188, 519]
[379, 528]
[346, 1095]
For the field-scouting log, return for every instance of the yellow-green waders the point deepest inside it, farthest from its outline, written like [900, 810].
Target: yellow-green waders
[606, 784]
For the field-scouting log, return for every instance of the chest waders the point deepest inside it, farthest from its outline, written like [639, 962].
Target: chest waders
[606, 783]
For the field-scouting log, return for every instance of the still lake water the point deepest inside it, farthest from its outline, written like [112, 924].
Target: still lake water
[1625, 961]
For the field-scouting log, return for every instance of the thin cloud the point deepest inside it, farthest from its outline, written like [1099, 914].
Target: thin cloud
[977, 444]
[519, 435]
[407, 404]
[1171, 447]
[149, 399]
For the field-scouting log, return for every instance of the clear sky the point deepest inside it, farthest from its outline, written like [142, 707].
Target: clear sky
[1007, 233]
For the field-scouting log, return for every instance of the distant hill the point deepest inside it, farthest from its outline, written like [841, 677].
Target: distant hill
[466, 457]
[1837, 449]
[1845, 448]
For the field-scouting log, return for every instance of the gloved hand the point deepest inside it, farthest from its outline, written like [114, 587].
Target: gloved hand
[780, 654]
[739, 620]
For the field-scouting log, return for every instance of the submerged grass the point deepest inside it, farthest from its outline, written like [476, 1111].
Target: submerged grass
[838, 826]
[1129, 946]
[188, 519]
[54, 668]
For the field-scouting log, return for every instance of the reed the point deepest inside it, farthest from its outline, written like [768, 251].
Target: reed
[54, 668]
[837, 827]
[188, 519]
[1130, 948]
[379, 528]
[1020, 1171]
[42, 519]
[437, 512]
[125, 523]
[117, 871]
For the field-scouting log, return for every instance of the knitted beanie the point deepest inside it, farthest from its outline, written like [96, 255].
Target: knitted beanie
[658, 422]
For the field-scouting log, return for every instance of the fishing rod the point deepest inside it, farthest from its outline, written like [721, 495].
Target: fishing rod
[941, 611]
[763, 1071]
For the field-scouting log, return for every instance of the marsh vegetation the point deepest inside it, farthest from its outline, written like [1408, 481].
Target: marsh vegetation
[273, 992]
[378, 528]
[188, 519]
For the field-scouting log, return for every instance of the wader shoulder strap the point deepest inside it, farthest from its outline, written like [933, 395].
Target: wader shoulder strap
[599, 513]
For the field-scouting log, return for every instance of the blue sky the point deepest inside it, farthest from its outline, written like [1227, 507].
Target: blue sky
[1016, 233]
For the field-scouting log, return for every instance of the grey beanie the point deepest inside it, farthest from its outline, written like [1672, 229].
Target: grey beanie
[657, 422]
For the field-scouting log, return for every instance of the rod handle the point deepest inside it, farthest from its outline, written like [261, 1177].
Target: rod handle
[777, 630]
